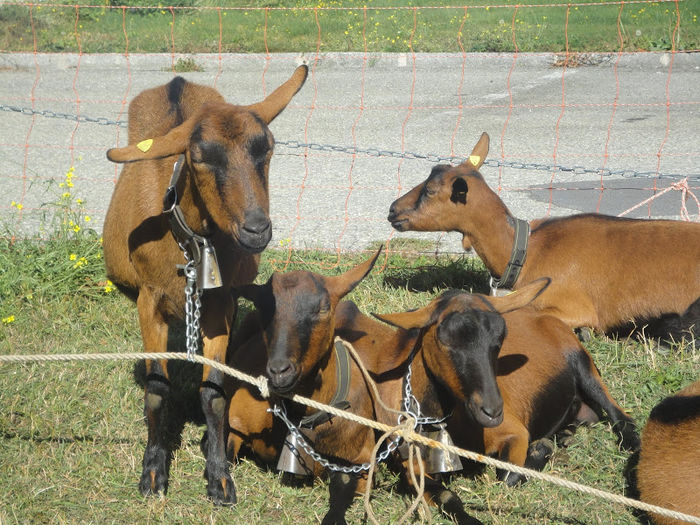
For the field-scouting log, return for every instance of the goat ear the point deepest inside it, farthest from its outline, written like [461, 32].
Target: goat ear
[340, 285]
[479, 153]
[172, 143]
[247, 291]
[408, 320]
[521, 297]
[276, 101]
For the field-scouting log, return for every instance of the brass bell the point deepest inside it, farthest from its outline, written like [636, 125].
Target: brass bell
[293, 458]
[439, 460]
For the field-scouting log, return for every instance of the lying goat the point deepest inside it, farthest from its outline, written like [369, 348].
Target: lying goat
[216, 205]
[547, 380]
[668, 471]
[605, 271]
[290, 338]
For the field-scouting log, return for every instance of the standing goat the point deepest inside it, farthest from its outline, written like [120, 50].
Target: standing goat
[605, 271]
[547, 380]
[217, 199]
[290, 338]
[668, 471]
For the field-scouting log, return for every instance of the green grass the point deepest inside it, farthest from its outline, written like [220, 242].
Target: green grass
[199, 26]
[72, 434]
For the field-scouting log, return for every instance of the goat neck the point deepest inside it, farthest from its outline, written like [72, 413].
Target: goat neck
[191, 202]
[491, 228]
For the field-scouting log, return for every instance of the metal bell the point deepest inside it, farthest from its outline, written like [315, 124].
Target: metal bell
[293, 458]
[439, 460]
[208, 274]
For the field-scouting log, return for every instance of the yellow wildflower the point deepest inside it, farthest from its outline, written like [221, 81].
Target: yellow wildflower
[20, 206]
[9, 319]
[72, 257]
[87, 218]
[109, 287]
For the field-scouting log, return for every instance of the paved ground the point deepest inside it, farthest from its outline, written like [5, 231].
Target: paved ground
[635, 112]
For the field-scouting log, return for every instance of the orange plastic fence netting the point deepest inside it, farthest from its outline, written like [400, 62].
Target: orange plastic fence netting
[592, 127]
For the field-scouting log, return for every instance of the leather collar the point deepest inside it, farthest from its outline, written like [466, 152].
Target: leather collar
[517, 258]
[339, 401]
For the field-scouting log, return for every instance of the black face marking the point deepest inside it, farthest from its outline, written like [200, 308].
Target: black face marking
[258, 148]
[175, 88]
[676, 409]
[196, 136]
[474, 340]
[435, 173]
[459, 191]
[213, 154]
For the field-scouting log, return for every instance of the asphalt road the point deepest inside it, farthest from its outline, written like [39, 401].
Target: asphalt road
[634, 114]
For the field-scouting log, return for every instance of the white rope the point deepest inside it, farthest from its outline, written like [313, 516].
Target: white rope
[261, 383]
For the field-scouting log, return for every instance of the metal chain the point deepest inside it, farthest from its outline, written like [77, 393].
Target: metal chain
[193, 305]
[494, 163]
[66, 116]
[411, 405]
[376, 152]
[281, 413]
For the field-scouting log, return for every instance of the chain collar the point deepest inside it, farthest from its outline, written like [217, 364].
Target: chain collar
[201, 268]
[411, 405]
[280, 411]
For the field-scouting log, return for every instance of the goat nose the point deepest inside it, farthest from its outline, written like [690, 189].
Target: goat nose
[282, 374]
[494, 412]
[392, 211]
[256, 222]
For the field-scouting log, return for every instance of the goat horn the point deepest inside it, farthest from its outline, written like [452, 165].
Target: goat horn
[276, 101]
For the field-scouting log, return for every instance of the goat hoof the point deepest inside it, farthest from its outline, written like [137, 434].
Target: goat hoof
[222, 491]
[153, 483]
[511, 479]
[627, 432]
[333, 520]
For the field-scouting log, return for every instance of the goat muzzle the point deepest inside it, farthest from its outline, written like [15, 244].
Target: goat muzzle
[283, 376]
[487, 414]
[255, 232]
[396, 222]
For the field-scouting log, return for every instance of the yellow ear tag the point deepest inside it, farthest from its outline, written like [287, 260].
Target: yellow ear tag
[145, 145]
[474, 159]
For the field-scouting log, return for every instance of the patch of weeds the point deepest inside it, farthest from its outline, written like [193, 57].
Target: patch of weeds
[67, 265]
[187, 65]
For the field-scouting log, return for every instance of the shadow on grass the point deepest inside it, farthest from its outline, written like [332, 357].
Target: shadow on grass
[464, 273]
[183, 404]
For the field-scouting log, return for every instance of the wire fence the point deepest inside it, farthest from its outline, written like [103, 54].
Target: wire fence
[590, 126]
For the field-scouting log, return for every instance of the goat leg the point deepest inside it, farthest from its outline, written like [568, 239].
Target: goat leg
[341, 490]
[596, 396]
[215, 327]
[156, 458]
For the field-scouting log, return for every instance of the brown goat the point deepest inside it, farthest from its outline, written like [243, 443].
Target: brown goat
[291, 340]
[547, 380]
[605, 271]
[223, 195]
[668, 472]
